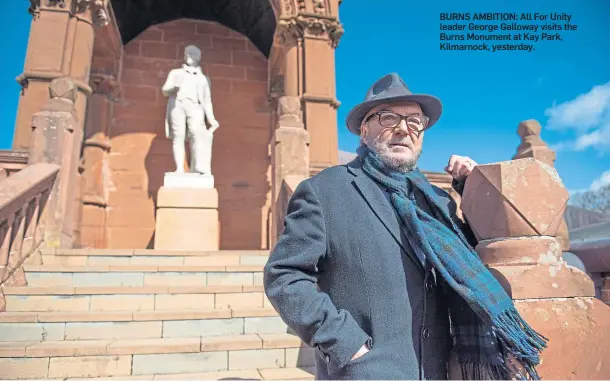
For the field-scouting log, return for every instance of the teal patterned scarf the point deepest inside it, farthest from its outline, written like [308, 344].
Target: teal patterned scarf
[486, 324]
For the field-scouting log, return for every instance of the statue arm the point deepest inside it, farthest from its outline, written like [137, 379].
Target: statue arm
[207, 106]
[168, 86]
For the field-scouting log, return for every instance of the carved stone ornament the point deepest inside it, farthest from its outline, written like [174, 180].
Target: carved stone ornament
[320, 7]
[99, 8]
[63, 88]
[106, 84]
[321, 27]
[289, 109]
[288, 7]
[288, 32]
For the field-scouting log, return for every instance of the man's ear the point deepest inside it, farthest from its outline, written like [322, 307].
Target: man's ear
[363, 132]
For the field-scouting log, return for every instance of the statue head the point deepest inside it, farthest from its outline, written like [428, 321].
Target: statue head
[192, 55]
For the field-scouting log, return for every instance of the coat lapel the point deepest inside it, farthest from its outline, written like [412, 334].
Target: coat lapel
[380, 206]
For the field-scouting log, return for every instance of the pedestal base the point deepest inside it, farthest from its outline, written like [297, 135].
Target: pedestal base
[187, 219]
[188, 180]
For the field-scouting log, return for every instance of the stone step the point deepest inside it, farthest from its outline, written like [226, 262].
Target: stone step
[119, 325]
[135, 275]
[103, 358]
[92, 257]
[79, 299]
[304, 373]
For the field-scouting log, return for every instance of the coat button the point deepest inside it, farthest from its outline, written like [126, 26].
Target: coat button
[327, 357]
[425, 333]
[429, 285]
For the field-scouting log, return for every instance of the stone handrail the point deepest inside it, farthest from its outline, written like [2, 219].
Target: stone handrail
[23, 197]
[12, 161]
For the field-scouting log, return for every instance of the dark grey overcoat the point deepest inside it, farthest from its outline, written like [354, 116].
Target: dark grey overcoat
[343, 274]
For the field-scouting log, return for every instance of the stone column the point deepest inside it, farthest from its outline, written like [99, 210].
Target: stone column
[308, 33]
[96, 149]
[515, 209]
[289, 155]
[60, 45]
[55, 134]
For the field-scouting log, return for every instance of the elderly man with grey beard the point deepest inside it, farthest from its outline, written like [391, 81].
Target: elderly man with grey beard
[375, 271]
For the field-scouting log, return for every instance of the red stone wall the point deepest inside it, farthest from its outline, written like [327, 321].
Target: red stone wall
[141, 153]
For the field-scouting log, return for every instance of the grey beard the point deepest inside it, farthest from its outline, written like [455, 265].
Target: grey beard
[398, 164]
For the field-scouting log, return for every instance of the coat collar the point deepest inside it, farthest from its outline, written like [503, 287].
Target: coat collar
[377, 201]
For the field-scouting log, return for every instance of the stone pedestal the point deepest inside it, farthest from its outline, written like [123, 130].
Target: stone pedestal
[515, 209]
[187, 213]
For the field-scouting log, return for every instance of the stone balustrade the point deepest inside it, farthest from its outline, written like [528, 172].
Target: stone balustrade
[23, 197]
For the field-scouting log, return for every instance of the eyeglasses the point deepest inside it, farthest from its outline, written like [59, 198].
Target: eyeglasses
[388, 119]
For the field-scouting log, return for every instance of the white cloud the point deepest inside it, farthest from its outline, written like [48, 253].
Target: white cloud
[588, 115]
[604, 179]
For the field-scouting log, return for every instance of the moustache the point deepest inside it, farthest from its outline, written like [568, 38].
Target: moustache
[402, 143]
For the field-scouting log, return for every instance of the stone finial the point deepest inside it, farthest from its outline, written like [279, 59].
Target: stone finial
[289, 109]
[523, 197]
[531, 143]
[63, 88]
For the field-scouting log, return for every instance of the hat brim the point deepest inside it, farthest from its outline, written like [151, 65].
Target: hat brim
[431, 107]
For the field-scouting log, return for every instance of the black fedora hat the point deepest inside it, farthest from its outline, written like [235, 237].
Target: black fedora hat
[388, 89]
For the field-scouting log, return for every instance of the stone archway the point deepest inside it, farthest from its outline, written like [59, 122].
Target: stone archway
[138, 153]
[254, 19]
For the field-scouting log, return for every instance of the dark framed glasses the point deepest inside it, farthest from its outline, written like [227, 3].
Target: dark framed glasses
[389, 119]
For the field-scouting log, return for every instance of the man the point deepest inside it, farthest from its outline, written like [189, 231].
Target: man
[374, 269]
[189, 104]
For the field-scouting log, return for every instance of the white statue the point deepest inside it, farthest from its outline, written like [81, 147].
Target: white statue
[188, 106]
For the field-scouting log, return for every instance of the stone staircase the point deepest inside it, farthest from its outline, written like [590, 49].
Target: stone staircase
[147, 315]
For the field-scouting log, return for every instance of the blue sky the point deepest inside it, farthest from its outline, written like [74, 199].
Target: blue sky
[564, 85]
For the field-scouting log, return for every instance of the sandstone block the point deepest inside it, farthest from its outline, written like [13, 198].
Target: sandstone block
[89, 366]
[523, 197]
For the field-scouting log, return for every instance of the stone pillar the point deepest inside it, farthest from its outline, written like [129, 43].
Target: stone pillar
[532, 145]
[289, 154]
[55, 134]
[60, 45]
[515, 209]
[96, 149]
[308, 33]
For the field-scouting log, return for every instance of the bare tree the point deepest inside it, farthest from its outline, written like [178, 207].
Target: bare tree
[596, 200]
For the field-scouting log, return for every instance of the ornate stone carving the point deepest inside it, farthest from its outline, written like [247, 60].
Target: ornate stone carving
[288, 32]
[63, 88]
[289, 109]
[321, 27]
[106, 84]
[99, 8]
[288, 7]
[320, 7]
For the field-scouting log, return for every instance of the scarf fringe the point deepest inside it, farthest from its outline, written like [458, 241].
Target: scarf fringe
[520, 340]
[474, 371]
